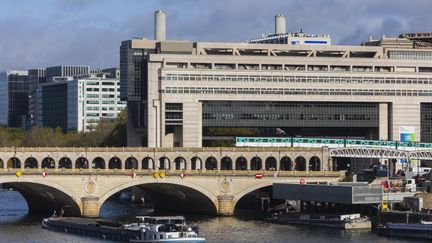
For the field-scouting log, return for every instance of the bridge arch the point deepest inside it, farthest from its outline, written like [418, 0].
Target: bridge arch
[48, 163]
[148, 163]
[196, 163]
[186, 195]
[14, 163]
[43, 197]
[256, 163]
[180, 163]
[81, 163]
[98, 163]
[315, 163]
[300, 163]
[270, 163]
[285, 164]
[31, 162]
[115, 163]
[241, 163]
[226, 163]
[250, 189]
[211, 163]
[65, 163]
[131, 163]
[164, 163]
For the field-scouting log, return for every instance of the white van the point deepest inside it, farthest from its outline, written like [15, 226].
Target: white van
[419, 170]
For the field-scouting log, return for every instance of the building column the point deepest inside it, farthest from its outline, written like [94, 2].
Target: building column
[383, 121]
[192, 125]
[157, 164]
[22, 163]
[139, 164]
[90, 207]
[170, 163]
[188, 166]
[226, 205]
[405, 114]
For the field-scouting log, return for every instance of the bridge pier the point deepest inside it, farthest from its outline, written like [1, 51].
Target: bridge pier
[226, 205]
[90, 207]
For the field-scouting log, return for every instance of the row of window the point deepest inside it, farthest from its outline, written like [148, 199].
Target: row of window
[105, 102]
[288, 91]
[293, 117]
[96, 108]
[103, 96]
[294, 79]
[292, 67]
[412, 55]
[296, 105]
[103, 89]
[93, 83]
[93, 114]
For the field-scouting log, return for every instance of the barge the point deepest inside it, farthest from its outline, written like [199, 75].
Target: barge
[418, 231]
[148, 229]
[349, 221]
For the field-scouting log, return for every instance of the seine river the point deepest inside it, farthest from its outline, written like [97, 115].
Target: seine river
[16, 226]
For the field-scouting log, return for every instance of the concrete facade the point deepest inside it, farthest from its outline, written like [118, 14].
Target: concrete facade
[341, 74]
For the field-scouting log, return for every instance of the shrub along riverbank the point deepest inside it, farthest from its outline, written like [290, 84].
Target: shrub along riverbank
[110, 133]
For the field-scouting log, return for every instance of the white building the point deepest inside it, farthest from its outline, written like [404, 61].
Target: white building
[87, 100]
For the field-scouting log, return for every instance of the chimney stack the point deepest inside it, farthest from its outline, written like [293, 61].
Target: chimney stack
[280, 24]
[160, 25]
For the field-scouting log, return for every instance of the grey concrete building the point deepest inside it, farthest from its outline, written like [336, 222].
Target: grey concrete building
[36, 77]
[195, 94]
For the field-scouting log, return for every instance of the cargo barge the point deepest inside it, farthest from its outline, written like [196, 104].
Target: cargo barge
[349, 221]
[149, 229]
[418, 231]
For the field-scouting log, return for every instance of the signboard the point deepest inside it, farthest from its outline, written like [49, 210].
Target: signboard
[407, 133]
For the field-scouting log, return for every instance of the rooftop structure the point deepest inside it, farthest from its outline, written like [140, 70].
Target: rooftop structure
[66, 71]
[293, 38]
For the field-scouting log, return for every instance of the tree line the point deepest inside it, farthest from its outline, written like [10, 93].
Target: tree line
[111, 133]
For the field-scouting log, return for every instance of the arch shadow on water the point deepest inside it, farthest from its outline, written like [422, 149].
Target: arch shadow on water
[258, 199]
[43, 200]
[170, 198]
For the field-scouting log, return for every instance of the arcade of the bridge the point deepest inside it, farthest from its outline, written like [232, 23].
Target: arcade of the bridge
[225, 163]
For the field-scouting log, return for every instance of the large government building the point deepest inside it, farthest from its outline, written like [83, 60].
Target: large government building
[193, 94]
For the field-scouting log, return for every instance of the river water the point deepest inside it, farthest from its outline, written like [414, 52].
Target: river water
[16, 226]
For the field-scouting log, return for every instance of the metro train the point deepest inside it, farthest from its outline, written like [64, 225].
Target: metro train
[327, 142]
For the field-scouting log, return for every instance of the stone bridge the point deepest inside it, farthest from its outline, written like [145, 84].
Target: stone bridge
[198, 180]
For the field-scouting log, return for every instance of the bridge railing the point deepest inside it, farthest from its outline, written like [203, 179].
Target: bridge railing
[149, 150]
[173, 172]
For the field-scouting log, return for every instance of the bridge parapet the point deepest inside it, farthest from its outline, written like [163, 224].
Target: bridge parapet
[105, 158]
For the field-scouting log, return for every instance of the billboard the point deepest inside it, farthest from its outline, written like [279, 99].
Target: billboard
[407, 133]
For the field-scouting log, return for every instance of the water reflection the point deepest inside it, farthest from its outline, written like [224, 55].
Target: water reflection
[16, 226]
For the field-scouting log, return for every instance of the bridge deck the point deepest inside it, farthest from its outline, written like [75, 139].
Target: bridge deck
[175, 173]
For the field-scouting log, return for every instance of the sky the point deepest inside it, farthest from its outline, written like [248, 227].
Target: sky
[41, 33]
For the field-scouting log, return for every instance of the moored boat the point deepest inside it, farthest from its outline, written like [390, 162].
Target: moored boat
[349, 221]
[164, 229]
[148, 229]
[419, 231]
